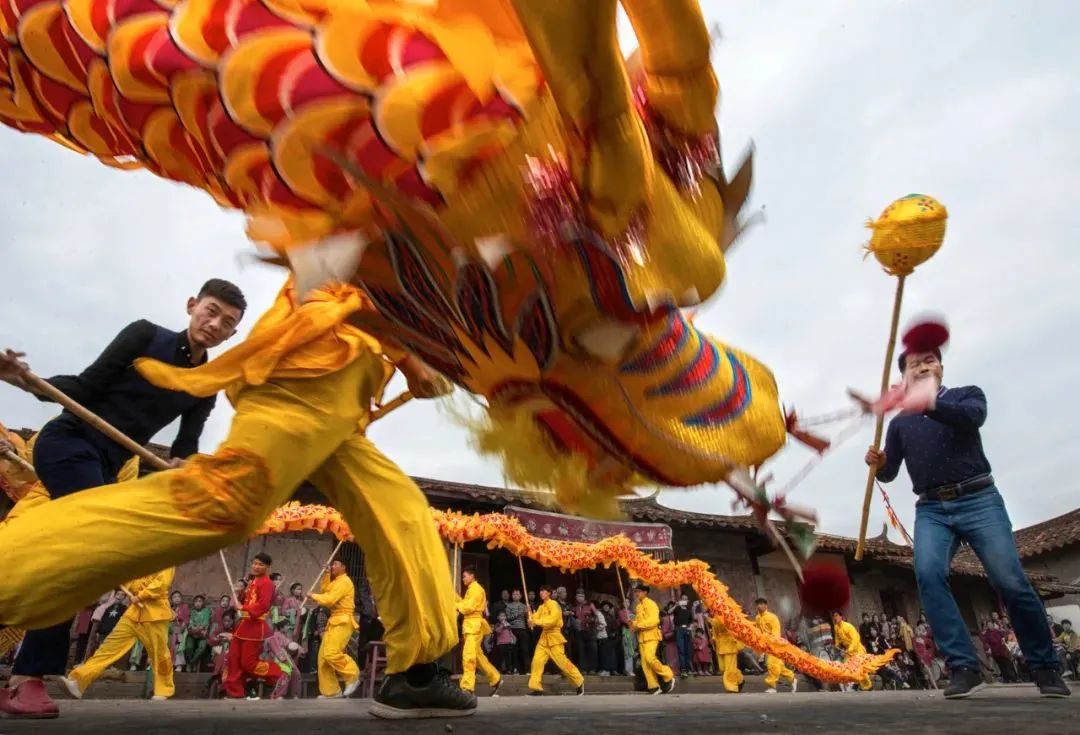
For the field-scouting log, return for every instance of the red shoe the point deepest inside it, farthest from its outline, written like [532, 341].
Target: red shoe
[28, 701]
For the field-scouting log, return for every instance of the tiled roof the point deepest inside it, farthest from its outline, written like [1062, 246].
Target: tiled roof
[1049, 535]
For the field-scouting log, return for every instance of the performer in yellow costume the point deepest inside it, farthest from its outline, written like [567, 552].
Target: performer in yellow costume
[727, 654]
[646, 624]
[145, 621]
[551, 646]
[302, 384]
[846, 638]
[20, 483]
[475, 626]
[337, 593]
[775, 668]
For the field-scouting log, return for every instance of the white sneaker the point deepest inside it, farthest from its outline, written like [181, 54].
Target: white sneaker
[351, 688]
[795, 685]
[158, 698]
[770, 690]
[327, 696]
[72, 687]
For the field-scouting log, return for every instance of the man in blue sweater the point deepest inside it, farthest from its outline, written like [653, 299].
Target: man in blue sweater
[958, 502]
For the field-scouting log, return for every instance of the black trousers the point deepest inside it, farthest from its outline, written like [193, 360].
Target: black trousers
[65, 463]
[524, 650]
[1008, 670]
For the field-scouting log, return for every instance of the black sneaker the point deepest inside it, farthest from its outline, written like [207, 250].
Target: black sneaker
[536, 693]
[581, 689]
[495, 689]
[655, 691]
[963, 683]
[1050, 683]
[398, 699]
[668, 686]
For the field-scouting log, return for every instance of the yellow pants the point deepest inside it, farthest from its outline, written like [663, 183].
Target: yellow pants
[557, 654]
[155, 639]
[651, 666]
[729, 666]
[472, 654]
[335, 665]
[776, 670]
[63, 554]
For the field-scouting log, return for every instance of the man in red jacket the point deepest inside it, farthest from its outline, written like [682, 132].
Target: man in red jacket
[243, 662]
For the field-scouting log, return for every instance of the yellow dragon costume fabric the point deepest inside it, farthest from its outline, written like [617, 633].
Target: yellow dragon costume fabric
[527, 211]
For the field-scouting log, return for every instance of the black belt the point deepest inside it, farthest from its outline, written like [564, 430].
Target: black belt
[958, 489]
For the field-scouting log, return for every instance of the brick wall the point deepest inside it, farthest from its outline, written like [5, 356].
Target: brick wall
[297, 556]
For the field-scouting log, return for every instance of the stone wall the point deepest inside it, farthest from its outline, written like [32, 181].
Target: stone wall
[1063, 564]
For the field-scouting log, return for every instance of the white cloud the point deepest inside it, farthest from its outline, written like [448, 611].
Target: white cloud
[850, 106]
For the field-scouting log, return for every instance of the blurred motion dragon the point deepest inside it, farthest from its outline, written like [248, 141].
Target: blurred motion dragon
[527, 210]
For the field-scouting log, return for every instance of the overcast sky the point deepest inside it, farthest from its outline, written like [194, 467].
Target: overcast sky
[850, 105]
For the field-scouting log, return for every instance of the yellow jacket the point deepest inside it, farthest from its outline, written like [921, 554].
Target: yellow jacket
[647, 621]
[723, 641]
[846, 638]
[472, 607]
[767, 622]
[151, 603]
[548, 617]
[339, 596]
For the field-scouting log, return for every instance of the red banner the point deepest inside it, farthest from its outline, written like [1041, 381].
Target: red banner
[647, 536]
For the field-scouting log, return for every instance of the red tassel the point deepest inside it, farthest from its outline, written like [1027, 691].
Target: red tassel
[815, 442]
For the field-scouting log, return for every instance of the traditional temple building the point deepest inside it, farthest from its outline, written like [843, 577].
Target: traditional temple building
[739, 554]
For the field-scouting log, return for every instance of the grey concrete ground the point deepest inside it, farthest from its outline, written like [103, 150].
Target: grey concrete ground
[1001, 709]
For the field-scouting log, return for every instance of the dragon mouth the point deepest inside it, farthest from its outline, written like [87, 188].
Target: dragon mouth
[584, 431]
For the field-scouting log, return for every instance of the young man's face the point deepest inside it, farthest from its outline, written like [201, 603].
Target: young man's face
[920, 366]
[836, 618]
[212, 321]
[467, 578]
[336, 568]
[545, 595]
[762, 607]
[258, 568]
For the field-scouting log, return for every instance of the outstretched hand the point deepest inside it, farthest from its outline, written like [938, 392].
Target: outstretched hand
[13, 369]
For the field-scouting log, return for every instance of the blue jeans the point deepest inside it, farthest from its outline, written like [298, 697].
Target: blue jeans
[981, 520]
[683, 640]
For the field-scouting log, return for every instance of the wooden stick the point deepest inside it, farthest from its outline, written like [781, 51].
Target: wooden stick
[783, 544]
[45, 389]
[392, 405]
[12, 457]
[622, 592]
[228, 576]
[134, 600]
[524, 588]
[314, 584]
[871, 476]
[457, 574]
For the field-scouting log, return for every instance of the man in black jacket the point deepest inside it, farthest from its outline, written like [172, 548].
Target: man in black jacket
[70, 455]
